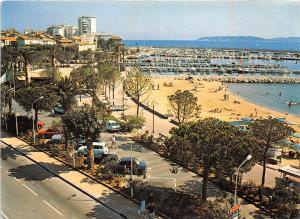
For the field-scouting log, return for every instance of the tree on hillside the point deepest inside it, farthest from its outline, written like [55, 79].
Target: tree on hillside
[87, 122]
[138, 85]
[211, 144]
[27, 95]
[184, 105]
[267, 133]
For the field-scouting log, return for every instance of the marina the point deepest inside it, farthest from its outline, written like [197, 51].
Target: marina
[228, 63]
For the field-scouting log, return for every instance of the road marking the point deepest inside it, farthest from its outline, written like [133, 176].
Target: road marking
[4, 215]
[30, 189]
[16, 179]
[52, 208]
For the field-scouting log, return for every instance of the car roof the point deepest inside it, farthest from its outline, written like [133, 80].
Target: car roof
[127, 159]
[112, 121]
[99, 143]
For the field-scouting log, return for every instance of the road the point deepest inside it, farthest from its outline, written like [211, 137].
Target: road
[29, 191]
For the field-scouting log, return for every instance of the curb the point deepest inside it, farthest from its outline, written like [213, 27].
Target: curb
[66, 181]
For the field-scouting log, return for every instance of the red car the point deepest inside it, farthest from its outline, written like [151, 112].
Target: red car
[48, 133]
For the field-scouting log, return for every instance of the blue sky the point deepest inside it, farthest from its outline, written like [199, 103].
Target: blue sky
[162, 19]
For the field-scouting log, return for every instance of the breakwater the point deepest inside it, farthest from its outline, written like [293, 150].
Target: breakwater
[250, 79]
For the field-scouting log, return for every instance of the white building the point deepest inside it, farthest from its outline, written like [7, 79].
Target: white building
[104, 36]
[87, 25]
[56, 30]
[70, 30]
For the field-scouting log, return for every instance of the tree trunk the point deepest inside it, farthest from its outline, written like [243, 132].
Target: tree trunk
[67, 137]
[138, 107]
[204, 183]
[90, 157]
[263, 175]
[26, 71]
[113, 93]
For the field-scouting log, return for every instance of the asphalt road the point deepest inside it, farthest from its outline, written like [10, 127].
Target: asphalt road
[25, 194]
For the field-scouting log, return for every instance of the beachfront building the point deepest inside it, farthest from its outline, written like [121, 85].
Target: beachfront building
[87, 25]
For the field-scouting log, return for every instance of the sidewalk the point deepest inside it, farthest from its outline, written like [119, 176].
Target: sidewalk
[102, 193]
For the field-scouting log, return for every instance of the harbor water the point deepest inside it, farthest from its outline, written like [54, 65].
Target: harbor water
[273, 96]
[213, 44]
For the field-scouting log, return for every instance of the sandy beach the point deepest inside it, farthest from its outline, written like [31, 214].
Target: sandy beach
[211, 98]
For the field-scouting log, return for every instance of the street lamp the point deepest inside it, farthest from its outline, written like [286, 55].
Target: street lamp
[131, 169]
[33, 130]
[237, 173]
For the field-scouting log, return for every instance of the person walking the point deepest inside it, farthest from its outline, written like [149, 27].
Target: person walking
[151, 211]
[113, 141]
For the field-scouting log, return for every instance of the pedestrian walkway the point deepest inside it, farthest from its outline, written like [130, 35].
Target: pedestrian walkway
[102, 193]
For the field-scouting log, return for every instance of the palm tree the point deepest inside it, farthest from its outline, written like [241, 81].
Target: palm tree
[27, 54]
[66, 89]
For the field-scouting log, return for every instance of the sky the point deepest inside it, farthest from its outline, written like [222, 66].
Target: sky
[165, 19]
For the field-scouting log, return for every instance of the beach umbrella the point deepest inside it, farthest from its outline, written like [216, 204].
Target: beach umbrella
[296, 135]
[297, 147]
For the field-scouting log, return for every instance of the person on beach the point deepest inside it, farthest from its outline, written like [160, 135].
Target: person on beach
[113, 141]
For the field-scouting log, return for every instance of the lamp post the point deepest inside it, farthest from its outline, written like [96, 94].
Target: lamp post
[33, 130]
[237, 173]
[131, 169]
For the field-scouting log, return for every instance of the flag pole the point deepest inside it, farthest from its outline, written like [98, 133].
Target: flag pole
[15, 106]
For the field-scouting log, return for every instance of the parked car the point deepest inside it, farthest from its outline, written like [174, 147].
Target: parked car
[110, 158]
[112, 126]
[124, 166]
[58, 109]
[40, 124]
[57, 139]
[48, 133]
[100, 150]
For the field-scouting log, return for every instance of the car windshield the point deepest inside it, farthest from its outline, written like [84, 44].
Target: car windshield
[114, 123]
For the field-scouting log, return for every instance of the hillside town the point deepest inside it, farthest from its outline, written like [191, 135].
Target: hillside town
[82, 37]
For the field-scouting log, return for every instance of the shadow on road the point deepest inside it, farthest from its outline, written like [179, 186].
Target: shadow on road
[36, 173]
[8, 153]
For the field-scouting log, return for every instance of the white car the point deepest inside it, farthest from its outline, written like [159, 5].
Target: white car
[100, 149]
[112, 126]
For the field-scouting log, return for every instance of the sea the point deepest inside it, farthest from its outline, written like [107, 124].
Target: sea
[273, 96]
[291, 46]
